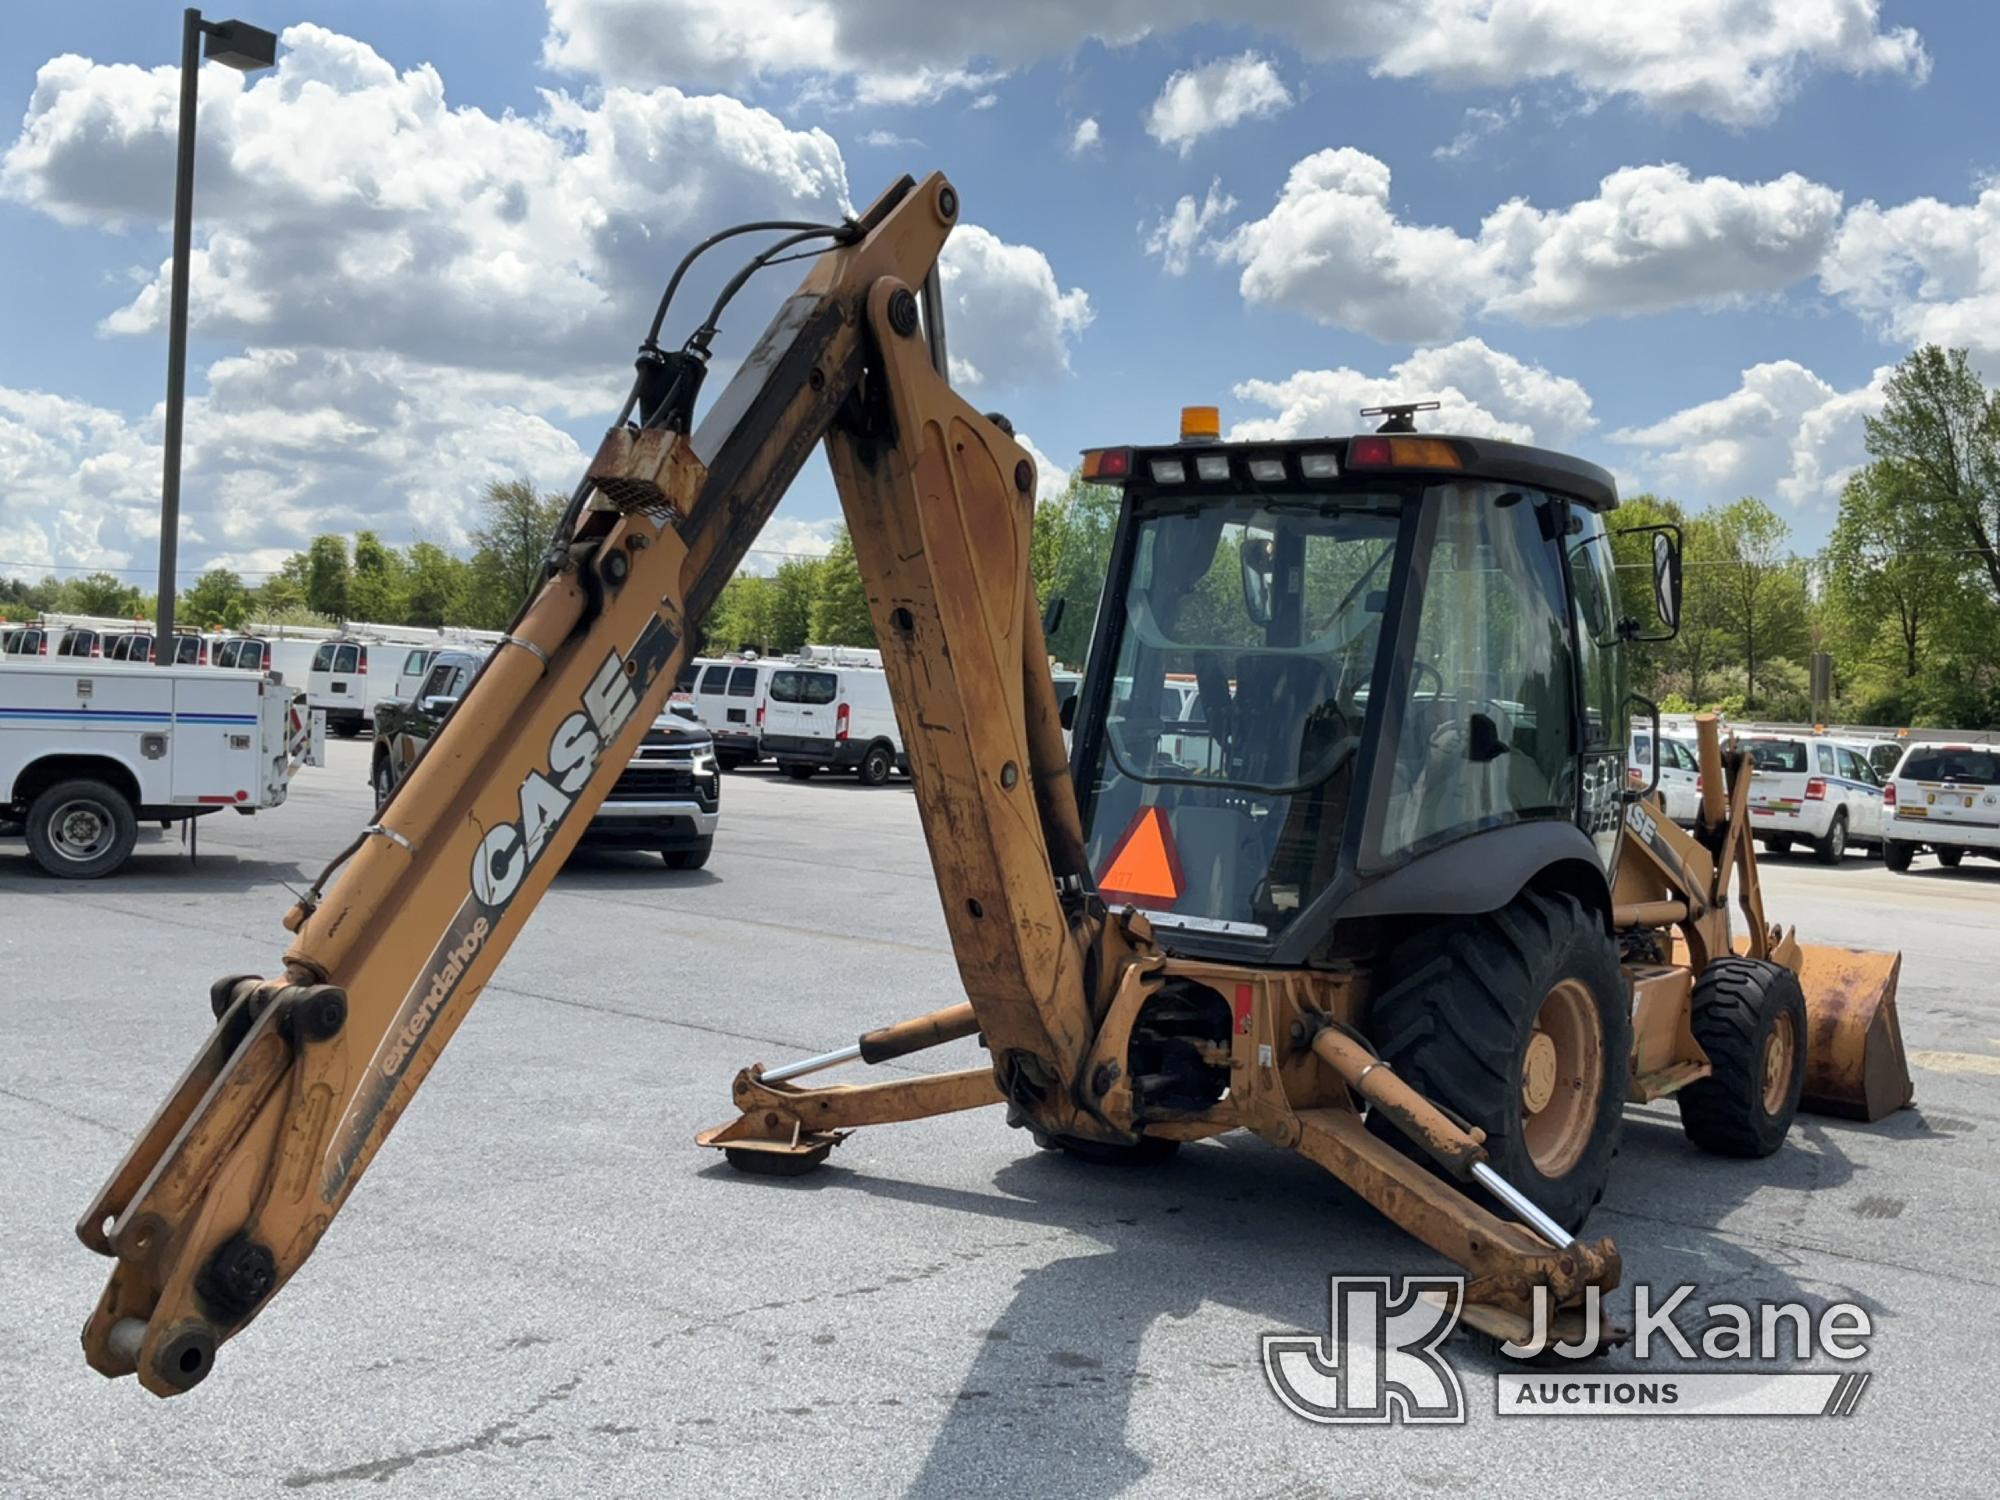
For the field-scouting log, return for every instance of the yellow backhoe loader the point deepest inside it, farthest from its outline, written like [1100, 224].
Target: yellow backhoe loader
[1344, 853]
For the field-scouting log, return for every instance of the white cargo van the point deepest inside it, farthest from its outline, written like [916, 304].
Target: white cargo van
[337, 685]
[832, 718]
[728, 696]
[89, 749]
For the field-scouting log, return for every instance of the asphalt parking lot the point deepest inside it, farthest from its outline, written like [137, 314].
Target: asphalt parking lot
[544, 1288]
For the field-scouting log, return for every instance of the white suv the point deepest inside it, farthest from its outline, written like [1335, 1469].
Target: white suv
[1944, 798]
[1810, 789]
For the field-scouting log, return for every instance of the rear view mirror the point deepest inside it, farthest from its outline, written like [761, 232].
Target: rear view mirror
[437, 706]
[1666, 567]
[1256, 557]
[1667, 580]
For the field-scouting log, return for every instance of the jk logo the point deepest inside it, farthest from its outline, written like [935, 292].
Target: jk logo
[1378, 1362]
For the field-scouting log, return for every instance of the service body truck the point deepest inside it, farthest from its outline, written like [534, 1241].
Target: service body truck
[90, 749]
[832, 718]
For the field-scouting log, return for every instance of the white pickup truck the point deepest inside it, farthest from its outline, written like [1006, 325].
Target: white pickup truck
[89, 749]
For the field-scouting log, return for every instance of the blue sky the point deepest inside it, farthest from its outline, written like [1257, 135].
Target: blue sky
[1581, 225]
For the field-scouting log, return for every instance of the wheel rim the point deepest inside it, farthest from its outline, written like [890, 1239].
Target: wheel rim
[1562, 1078]
[1838, 838]
[81, 830]
[1781, 1049]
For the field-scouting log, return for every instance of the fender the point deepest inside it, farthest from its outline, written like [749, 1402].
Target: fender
[1483, 872]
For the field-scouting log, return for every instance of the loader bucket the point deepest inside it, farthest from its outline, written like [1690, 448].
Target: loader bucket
[1855, 1066]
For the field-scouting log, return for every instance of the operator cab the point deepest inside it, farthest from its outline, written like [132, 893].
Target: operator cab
[1320, 660]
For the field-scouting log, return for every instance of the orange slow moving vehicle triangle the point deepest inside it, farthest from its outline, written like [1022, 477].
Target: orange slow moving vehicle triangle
[1145, 867]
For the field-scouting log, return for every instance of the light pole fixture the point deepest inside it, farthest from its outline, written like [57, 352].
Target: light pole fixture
[247, 48]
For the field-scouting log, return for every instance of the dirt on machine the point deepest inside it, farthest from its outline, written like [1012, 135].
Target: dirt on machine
[1374, 887]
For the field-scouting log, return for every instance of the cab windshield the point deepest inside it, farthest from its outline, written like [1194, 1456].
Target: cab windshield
[1249, 641]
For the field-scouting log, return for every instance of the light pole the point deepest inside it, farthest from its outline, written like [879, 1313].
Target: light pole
[235, 44]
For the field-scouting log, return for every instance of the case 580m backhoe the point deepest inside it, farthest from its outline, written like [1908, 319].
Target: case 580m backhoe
[1385, 899]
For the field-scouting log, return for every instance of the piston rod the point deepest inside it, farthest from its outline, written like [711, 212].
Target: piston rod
[814, 1064]
[1522, 1205]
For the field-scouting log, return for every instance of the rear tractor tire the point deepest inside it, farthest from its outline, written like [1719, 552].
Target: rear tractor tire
[1520, 1022]
[1750, 1018]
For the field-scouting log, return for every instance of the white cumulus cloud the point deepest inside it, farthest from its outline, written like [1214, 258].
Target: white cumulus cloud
[1334, 248]
[1784, 432]
[1008, 321]
[1481, 392]
[1923, 271]
[1086, 137]
[1177, 235]
[1215, 96]
[1736, 61]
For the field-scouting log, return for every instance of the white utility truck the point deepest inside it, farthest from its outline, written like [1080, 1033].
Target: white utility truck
[90, 749]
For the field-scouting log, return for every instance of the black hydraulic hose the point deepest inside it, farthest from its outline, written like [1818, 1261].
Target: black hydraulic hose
[688, 260]
[698, 341]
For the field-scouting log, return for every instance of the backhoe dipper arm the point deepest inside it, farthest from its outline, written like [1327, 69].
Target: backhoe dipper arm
[232, 1184]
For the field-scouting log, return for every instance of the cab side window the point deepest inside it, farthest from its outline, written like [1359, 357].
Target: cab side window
[1854, 768]
[1825, 753]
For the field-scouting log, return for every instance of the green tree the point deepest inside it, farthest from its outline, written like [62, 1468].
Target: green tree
[1886, 579]
[794, 587]
[840, 601]
[435, 586]
[100, 594]
[1079, 538]
[1758, 586]
[741, 619]
[327, 576]
[508, 550]
[216, 601]
[1941, 427]
[379, 587]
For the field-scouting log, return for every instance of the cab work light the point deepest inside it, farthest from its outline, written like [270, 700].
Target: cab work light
[1212, 466]
[1402, 453]
[1268, 470]
[1169, 471]
[1319, 466]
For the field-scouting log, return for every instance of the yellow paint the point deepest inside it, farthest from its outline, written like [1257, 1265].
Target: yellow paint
[1957, 1062]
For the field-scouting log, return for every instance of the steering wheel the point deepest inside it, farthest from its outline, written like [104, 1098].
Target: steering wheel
[1417, 671]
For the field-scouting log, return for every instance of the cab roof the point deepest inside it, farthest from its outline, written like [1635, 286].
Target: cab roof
[1314, 462]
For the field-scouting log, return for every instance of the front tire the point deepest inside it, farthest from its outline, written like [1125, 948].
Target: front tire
[1833, 848]
[801, 773]
[1779, 844]
[691, 858]
[1950, 858]
[81, 829]
[1750, 1018]
[1519, 1021]
[1897, 855]
[384, 781]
